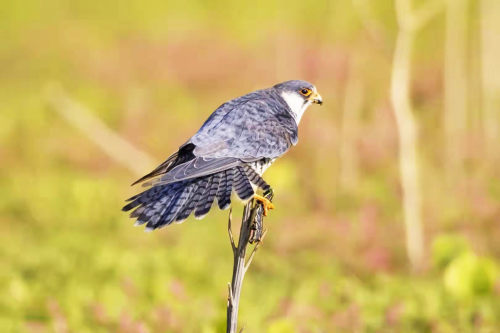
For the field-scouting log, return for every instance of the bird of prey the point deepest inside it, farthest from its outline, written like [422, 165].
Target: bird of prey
[230, 152]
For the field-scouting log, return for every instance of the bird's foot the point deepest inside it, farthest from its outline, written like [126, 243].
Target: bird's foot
[269, 194]
[265, 202]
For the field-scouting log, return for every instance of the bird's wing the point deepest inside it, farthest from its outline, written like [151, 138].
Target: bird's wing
[197, 167]
[246, 129]
[161, 169]
[255, 126]
[184, 155]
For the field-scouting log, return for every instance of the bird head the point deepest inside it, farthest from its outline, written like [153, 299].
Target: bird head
[301, 89]
[298, 95]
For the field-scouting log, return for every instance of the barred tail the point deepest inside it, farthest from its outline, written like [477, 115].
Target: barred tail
[162, 205]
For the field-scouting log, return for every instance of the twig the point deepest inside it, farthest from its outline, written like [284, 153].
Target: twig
[240, 264]
[254, 250]
[230, 232]
[230, 297]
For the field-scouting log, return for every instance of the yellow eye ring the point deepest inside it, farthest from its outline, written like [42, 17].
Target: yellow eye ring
[306, 91]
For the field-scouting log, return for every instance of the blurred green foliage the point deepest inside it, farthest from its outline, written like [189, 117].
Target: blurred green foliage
[469, 275]
[334, 258]
[446, 248]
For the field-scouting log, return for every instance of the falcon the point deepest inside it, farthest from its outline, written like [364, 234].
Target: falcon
[229, 153]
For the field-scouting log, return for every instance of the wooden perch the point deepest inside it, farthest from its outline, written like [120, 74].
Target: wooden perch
[251, 223]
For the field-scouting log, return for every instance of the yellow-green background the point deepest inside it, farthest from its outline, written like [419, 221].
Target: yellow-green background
[334, 258]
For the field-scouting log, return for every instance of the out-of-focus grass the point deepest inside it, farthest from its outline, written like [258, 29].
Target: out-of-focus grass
[333, 259]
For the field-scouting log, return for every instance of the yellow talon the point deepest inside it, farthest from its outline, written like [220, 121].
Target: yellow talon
[266, 203]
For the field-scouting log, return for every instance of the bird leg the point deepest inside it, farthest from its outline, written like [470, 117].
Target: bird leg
[257, 227]
[265, 202]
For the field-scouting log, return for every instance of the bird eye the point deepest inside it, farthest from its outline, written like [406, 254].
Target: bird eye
[305, 91]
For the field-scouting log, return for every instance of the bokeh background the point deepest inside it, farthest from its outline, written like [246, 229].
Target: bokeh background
[94, 93]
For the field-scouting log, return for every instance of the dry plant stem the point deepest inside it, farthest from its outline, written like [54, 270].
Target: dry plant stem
[240, 265]
[408, 158]
[490, 53]
[409, 21]
[109, 141]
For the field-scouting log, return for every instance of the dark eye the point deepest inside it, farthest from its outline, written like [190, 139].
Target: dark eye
[305, 91]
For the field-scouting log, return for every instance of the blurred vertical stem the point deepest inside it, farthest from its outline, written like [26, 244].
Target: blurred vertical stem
[240, 263]
[409, 23]
[490, 55]
[455, 85]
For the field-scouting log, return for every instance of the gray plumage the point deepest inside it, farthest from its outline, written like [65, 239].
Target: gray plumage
[228, 154]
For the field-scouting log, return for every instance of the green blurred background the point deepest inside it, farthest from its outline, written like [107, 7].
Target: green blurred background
[335, 257]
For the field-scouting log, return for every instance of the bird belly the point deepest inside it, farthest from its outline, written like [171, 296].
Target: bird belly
[260, 166]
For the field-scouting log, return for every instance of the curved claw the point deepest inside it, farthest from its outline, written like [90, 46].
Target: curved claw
[266, 203]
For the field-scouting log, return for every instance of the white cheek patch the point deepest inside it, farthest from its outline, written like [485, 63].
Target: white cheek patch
[296, 104]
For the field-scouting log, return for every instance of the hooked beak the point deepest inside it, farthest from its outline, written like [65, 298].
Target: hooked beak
[316, 98]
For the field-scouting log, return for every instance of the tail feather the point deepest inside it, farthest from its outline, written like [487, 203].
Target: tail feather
[164, 204]
[140, 201]
[175, 209]
[255, 178]
[242, 185]
[222, 188]
[203, 194]
[145, 213]
[224, 191]
[160, 218]
[156, 217]
[204, 205]
[203, 186]
[154, 209]
[190, 203]
[140, 198]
